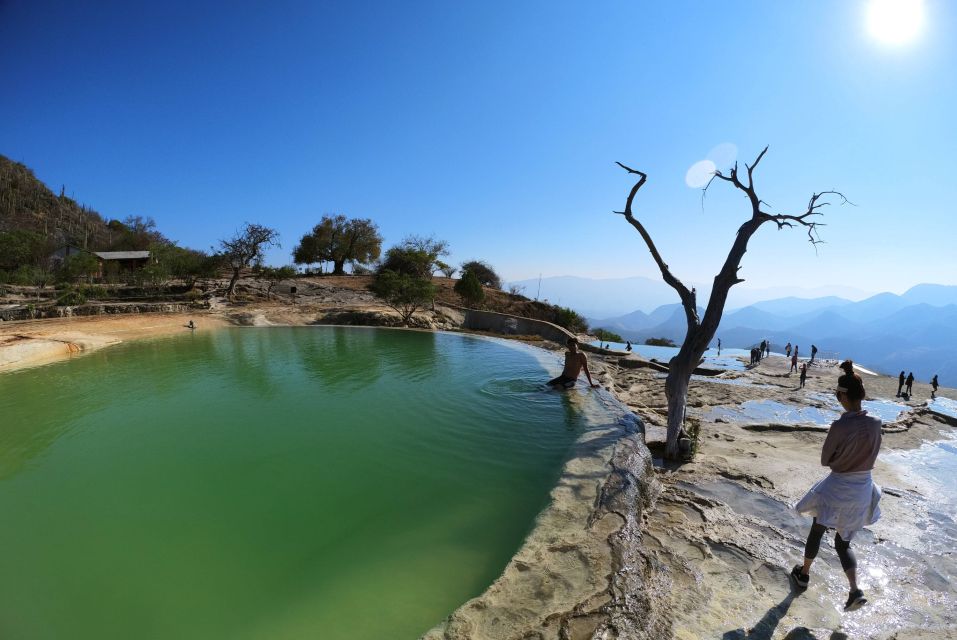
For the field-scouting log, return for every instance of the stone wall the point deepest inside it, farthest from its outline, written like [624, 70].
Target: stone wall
[514, 325]
[31, 312]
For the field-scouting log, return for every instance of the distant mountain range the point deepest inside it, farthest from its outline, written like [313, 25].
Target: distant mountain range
[610, 297]
[915, 331]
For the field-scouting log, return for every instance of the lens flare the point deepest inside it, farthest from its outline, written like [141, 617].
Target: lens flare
[699, 174]
[895, 22]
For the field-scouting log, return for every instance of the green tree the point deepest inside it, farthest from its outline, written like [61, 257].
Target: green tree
[470, 289]
[403, 292]
[134, 233]
[154, 276]
[484, 272]
[309, 251]
[246, 248]
[79, 265]
[21, 247]
[40, 278]
[446, 269]
[416, 256]
[184, 264]
[607, 336]
[338, 240]
[571, 320]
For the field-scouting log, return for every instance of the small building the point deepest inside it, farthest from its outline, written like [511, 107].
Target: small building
[122, 261]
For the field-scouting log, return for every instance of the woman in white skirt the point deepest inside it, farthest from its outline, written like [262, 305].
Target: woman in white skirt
[847, 499]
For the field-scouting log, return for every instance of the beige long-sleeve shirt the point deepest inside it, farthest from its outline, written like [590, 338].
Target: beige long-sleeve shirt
[852, 443]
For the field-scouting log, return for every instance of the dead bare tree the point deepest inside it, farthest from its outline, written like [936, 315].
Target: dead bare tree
[701, 330]
[246, 248]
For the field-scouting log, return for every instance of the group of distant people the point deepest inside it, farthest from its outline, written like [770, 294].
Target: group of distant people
[758, 352]
[905, 386]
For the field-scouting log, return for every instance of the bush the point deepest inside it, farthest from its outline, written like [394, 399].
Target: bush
[571, 320]
[79, 265]
[403, 292]
[94, 291]
[70, 298]
[484, 272]
[660, 342]
[469, 288]
[607, 336]
[193, 295]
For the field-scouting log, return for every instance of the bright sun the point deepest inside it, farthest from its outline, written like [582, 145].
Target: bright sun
[895, 21]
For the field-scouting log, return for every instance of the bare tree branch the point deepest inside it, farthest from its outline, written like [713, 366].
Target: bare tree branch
[687, 297]
[701, 331]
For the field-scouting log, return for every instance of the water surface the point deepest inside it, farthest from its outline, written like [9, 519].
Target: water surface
[728, 359]
[270, 483]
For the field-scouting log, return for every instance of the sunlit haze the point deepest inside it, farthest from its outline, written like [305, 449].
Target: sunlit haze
[895, 21]
[496, 126]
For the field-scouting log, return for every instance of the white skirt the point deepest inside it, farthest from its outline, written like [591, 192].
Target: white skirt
[847, 502]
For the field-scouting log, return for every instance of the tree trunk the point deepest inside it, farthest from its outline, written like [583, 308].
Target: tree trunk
[679, 378]
[338, 268]
[676, 391]
[232, 283]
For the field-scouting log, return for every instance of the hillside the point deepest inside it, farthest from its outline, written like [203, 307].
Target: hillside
[26, 204]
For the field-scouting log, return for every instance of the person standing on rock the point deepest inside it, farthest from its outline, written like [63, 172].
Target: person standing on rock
[719, 346]
[934, 385]
[900, 384]
[910, 384]
[794, 362]
[813, 352]
[847, 499]
[575, 362]
[787, 350]
[803, 374]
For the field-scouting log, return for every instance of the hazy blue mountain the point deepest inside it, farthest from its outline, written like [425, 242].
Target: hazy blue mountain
[873, 308]
[755, 317]
[792, 306]
[614, 297]
[916, 331]
[827, 322]
[602, 298]
[938, 295]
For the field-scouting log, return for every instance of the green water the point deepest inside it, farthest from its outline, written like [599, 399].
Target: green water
[270, 483]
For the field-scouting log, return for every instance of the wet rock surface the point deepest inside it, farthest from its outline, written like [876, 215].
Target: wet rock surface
[724, 536]
[582, 572]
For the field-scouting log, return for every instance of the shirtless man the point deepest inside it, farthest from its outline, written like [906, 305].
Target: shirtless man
[575, 361]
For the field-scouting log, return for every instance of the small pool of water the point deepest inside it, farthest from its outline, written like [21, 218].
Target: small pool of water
[943, 406]
[772, 412]
[936, 462]
[271, 483]
[730, 359]
[735, 382]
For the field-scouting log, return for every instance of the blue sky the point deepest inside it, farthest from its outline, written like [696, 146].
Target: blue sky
[495, 126]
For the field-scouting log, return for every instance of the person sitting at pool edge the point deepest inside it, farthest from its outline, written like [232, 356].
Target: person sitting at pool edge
[575, 362]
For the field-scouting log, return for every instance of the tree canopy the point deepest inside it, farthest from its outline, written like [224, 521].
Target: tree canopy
[338, 239]
[469, 288]
[484, 272]
[417, 256]
[403, 292]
